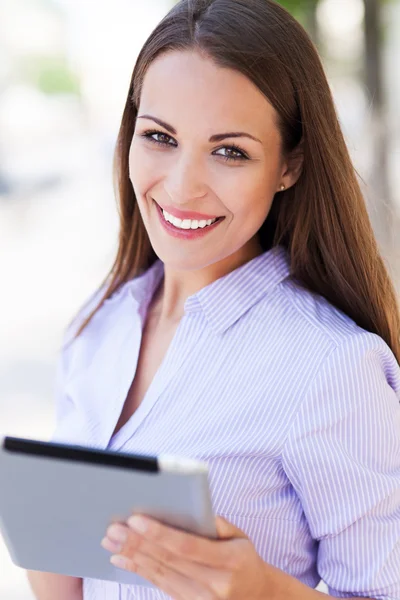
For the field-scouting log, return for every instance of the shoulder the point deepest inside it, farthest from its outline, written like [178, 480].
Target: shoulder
[87, 306]
[343, 345]
[320, 319]
[113, 308]
[317, 314]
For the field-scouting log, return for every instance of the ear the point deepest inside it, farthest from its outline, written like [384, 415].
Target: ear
[292, 166]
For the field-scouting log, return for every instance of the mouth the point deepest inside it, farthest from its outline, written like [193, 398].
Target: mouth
[180, 215]
[187, 228]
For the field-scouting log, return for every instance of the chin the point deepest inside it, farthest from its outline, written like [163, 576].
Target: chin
[179, 261]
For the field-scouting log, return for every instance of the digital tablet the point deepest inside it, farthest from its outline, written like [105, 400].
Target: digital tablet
[57, 500]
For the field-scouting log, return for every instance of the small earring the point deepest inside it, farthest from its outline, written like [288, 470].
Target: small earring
[282, 187]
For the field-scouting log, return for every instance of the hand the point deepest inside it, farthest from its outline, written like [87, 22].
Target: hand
[190, 567]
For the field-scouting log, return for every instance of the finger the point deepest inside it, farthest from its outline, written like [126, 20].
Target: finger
[133, 547]
[207, 577]
[214, 553]
[120, 537]
[177, 585]
[227, 530]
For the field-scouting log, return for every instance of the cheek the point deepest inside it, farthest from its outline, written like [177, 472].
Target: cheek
[142, 169]
[249, 194]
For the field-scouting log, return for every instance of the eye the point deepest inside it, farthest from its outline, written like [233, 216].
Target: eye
[159, 137]
[232, 153]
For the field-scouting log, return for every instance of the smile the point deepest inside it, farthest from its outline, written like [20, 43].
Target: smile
[187, 223]
[186, 228]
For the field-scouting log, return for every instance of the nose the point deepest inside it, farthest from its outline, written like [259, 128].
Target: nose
[185, 180]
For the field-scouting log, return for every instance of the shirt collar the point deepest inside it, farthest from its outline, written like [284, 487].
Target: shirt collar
[225, 300]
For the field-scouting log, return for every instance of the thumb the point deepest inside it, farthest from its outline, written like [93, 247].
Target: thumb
[226, 530]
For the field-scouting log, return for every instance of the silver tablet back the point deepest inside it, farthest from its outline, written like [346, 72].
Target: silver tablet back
[54, 512]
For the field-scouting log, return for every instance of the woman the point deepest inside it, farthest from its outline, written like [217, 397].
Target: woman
[248, 321]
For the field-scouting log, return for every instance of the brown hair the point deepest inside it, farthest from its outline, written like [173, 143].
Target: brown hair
[322, 220]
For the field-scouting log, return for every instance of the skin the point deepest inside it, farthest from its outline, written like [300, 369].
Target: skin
[188, 567]
[198, 100]
[189, 172]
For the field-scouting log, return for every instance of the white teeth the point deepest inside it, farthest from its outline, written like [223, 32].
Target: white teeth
[186, 223]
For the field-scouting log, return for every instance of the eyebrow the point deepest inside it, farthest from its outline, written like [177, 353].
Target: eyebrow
[218, 137]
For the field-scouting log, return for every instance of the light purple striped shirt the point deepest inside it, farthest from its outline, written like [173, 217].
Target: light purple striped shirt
[294, 407]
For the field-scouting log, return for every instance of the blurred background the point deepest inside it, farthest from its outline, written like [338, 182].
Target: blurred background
[65, 68]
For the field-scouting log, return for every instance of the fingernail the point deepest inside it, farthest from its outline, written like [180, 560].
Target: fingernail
[138, 524]
[117, 533]
[110, 545]
[119, 561]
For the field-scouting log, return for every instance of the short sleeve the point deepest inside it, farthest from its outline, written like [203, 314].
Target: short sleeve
[342, 456]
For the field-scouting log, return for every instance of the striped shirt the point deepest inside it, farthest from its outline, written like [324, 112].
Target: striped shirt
[293, 406]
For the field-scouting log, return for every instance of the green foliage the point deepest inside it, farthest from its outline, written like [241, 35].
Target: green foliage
[51, 75]
[297, 5]
[300, 9]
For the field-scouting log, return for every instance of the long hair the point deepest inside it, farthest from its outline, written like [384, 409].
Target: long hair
[322, 220]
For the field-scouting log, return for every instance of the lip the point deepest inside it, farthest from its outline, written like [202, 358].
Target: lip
[183, 214]
[185, 234]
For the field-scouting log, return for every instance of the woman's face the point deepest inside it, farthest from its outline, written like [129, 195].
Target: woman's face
[185, 158]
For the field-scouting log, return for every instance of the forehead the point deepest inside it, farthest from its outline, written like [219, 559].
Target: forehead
[185, 88]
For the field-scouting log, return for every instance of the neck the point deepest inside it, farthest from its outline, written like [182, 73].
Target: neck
[168, 302]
